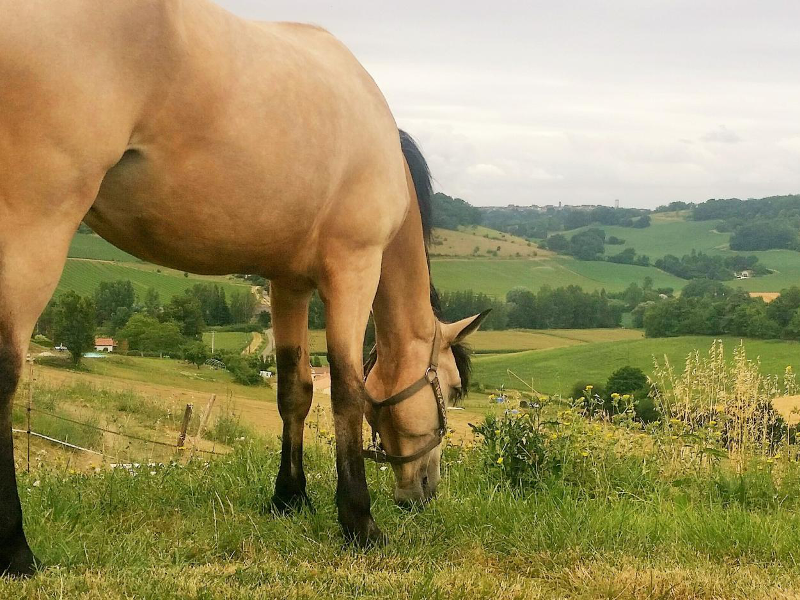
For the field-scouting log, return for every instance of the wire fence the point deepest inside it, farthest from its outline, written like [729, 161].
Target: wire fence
[178, 446]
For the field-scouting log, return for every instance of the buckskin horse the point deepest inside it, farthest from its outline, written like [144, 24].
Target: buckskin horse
[200, 141]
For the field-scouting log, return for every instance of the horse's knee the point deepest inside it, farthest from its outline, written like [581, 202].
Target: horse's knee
[295, 385]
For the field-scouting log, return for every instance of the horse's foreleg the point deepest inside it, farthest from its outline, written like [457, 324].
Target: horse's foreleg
[295, 391]
[348, 296]
[31, 259]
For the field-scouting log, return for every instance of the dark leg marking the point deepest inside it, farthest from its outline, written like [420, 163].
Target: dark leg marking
[295, 393]
[16, 558]
[348, 398]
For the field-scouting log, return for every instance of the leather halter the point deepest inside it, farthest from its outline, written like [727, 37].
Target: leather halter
[431, 378]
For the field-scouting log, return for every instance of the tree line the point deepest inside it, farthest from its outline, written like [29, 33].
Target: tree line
[548, 308]
[762, 224]
[710, 308]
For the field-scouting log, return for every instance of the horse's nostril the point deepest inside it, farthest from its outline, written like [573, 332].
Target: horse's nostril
[425, 482]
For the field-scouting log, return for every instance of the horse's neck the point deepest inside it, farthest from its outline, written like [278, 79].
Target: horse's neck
[404, 319]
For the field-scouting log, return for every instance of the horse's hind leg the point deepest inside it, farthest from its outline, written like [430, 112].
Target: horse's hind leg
[295, 391]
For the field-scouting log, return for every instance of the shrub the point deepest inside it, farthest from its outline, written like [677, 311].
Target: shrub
[627, 380]
[513, 447]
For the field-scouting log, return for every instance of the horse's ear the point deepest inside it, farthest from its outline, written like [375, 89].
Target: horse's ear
[453, 333]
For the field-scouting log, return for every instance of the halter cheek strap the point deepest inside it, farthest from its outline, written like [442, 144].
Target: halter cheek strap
[431, 378]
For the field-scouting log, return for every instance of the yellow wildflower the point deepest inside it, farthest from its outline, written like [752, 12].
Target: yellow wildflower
[500, 461]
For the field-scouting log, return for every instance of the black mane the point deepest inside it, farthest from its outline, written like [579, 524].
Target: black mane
[421, 175]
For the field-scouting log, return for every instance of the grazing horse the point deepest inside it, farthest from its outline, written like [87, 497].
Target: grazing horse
[203, 142]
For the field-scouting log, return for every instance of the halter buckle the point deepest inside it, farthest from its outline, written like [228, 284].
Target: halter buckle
[431, 374]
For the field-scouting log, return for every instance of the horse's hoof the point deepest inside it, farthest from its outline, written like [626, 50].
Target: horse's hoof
[18, 562]
[285, 505]
[366, 536]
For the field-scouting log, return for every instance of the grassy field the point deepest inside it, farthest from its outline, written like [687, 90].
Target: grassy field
[94, 247]
[228, 340]
[83, 276]
[204, 531]
[497, 277]
[555, 371]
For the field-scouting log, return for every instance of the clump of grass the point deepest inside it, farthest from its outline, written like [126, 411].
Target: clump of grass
[228, 429]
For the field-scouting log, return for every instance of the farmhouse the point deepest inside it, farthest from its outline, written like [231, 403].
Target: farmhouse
[103, 344]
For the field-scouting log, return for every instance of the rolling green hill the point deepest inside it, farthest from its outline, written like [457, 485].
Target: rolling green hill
[83, 276]
[555, 371]
[666, 236]
[669, 234]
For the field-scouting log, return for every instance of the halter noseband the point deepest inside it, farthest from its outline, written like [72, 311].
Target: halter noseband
[431, 378]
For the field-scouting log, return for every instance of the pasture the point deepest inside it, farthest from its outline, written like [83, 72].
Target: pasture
[616, 526]
[555, 371]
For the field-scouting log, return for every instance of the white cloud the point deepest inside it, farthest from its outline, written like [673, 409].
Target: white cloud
[722, 135]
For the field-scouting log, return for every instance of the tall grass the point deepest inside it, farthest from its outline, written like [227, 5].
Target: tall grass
[725, 403]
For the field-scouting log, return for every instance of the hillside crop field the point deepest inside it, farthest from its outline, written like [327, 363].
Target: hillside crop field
[497, 277]
[555, 371]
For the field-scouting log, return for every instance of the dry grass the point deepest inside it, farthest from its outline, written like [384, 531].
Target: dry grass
[483, 242]
[766, 296]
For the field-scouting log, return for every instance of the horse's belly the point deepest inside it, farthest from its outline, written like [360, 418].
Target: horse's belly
[197, 219]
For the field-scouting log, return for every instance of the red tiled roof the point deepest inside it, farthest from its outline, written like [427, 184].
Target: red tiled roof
[104, 342]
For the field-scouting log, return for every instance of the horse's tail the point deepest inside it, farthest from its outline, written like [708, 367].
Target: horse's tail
[421, 175]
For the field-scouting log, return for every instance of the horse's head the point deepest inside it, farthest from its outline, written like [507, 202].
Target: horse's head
[410, 422]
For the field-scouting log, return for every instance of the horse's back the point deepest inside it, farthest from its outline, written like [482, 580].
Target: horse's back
[259, 140]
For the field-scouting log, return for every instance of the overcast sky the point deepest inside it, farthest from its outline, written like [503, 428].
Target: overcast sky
[583, 102]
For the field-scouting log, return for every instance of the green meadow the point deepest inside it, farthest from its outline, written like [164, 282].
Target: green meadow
[556, 370]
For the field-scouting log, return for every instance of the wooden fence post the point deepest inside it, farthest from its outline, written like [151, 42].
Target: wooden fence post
[187, 416]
